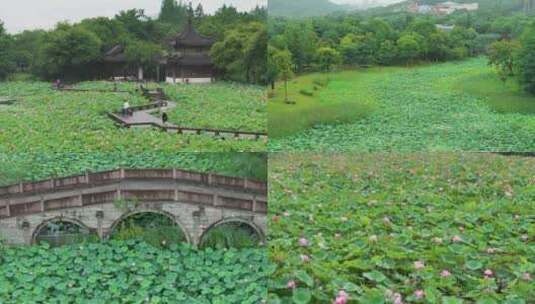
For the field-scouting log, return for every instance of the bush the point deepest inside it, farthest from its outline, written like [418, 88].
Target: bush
[232, 235]
[306, 92]
[321, 81]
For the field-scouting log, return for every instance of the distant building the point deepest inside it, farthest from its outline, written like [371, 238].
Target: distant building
[444, 27]
[188, 61]
[444, 8]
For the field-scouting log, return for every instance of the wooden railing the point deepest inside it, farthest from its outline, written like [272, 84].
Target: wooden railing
[71, 89]
[42, 196]
[92, 179]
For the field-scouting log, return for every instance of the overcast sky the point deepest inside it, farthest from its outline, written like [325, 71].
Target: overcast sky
[19, 15]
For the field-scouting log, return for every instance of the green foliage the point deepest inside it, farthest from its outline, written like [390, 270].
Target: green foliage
[153, 228]
[368, 218]
[7, 64]
[221, 105]
[38, 166]
[416, 109]
[230, 235]
[526, 60]
[502, 54]
[127, 271]
[69, 47]
[327, 58]
[409, 47]
[241, 51]
[173, 12]
[75, 52]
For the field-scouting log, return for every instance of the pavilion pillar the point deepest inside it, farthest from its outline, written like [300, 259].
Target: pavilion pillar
[140, 73]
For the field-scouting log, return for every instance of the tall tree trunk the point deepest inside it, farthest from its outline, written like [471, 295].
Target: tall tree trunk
[285, 90]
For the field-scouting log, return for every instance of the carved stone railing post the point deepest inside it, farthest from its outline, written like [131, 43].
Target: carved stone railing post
[100, 227]
[8, 207]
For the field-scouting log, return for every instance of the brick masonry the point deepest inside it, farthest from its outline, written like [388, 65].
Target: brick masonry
[196, 202]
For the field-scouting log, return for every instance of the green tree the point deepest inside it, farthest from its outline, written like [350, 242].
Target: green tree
[409, 48]
[272, 72]
[502, 55]
[327, 58]
[358, 49]
[68, 49]
[388, 53]
[172, 12]
[143, 53]
[283, 62]
[237, 53]
[7, 63]
[526, 59]
[301, 41]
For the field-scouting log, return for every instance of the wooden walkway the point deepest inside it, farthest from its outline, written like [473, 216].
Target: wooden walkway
[143, 116]
[146, 116]
[7, 101]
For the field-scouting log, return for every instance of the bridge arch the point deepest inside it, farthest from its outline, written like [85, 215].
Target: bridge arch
[168, 215]
[234, 220]
[60, 218]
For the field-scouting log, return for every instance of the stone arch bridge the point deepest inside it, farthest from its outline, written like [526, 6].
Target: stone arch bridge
[197, 202]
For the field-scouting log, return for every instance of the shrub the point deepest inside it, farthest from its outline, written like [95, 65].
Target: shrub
[306, 92]
[322, 81]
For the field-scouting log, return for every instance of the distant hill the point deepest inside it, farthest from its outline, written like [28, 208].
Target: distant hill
[304, 8]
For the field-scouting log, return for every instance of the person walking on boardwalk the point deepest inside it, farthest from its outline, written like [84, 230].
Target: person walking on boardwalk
[165, 118]
[126, 108]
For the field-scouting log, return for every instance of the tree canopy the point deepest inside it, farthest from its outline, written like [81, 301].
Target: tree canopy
[75, 50]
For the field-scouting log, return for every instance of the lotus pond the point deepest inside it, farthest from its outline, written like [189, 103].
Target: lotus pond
[455, 106]
[131, 272]
[26, 167]
[45, 121]
[374, 229]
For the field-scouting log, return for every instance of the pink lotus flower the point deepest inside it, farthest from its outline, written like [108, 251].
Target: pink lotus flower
[291, 284]
[419, 265]
[398, 299]
[341, 298]
[488, 273]
[419, 294]
[527, 276]
[305, 258]
[445, 273]
[304, 242]
[393, 297]
[456, 238]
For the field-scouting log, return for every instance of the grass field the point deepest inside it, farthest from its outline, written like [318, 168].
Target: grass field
[47, 121]
[329, 98]
[455, 106]
[416, 228]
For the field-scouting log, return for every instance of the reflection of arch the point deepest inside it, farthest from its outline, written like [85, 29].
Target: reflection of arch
[40, 227]
[160, 212]
[230, 220]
